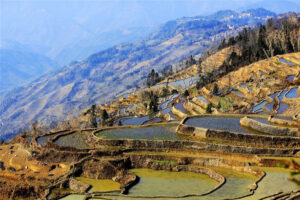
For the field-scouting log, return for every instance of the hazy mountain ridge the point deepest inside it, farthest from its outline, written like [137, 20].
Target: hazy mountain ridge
[19, 67]
[109, 72]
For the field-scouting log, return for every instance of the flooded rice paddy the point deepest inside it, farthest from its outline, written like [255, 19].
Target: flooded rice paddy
[222, 123]
[292, 93]
[100, 185]
[286, 62]
[159, 182]
[76, 140]
[166, 132]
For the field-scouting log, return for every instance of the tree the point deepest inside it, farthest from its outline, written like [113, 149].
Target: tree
[219, 105]
[34, 128]
[199, 69]
[222, 44]
[215, 89]
[209, 108]
[165, 92]
[120, 123]
[93, 120]
[104, 117]
[174, 91]
[186, 93]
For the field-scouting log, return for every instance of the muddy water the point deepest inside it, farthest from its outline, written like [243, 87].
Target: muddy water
[101, 185]
[73, 197]
[154, 183]
[76, 140]
[276, 180]
[221, 123]
[148, 133]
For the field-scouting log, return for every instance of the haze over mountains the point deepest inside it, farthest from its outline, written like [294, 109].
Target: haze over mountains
[66, 31]
[112, 71]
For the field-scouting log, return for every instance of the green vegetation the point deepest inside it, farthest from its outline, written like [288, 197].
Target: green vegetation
[216, 89]
[209, 108]
[226, 104]
[104, 117]
[186, 93]
[165, 162]
[276, 37]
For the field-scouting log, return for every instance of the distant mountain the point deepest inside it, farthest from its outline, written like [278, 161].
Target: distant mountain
[278, 6]
[20, 67]
[82, 49]
[112, 71]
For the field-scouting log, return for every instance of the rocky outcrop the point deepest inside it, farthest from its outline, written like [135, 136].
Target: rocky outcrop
[265, 128]
[78, 186]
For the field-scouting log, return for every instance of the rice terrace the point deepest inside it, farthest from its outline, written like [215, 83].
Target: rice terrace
[204, 107]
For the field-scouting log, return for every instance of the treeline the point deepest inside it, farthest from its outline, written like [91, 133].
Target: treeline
[277, 36]
[154, 77]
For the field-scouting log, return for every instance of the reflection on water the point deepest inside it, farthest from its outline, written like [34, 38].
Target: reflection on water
[148, 133]
[135, 121]
[259, 107]
[179, 106]
[282, 107]
[222, 123]
[42, 140]
[292, 93]
[287, 62]
[290, 77]
[76, 140]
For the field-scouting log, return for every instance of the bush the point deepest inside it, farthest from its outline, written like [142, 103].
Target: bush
[209, 108]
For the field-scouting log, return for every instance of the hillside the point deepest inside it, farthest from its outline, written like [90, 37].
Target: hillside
[19, 67]
[112, 71]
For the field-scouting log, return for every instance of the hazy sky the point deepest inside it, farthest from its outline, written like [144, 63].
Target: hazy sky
[56, 23]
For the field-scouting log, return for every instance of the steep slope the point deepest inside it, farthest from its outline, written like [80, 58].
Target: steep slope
[109, 72]
[19, 67]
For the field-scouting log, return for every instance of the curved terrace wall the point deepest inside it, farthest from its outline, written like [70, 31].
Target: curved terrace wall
[265, 128]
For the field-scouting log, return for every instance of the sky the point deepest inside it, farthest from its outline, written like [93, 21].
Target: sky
[50, 25]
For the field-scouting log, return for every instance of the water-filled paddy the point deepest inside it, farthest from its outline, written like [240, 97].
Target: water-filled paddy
[73, 197]
[101, 185]
[238, 93]
[292, 93]
[221, 123]
[76, 140]
[179, 106]
[259, 107]
[154, 183]
[286, 62]
[166, 132]
[42, 140]
[282, 107]
[290, 77]
[134, 120]
[276, 180]
[159, 182]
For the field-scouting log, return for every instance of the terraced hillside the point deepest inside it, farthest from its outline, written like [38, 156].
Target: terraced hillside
[110, 72]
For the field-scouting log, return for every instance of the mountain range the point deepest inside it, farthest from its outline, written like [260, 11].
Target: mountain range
[110, 72]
